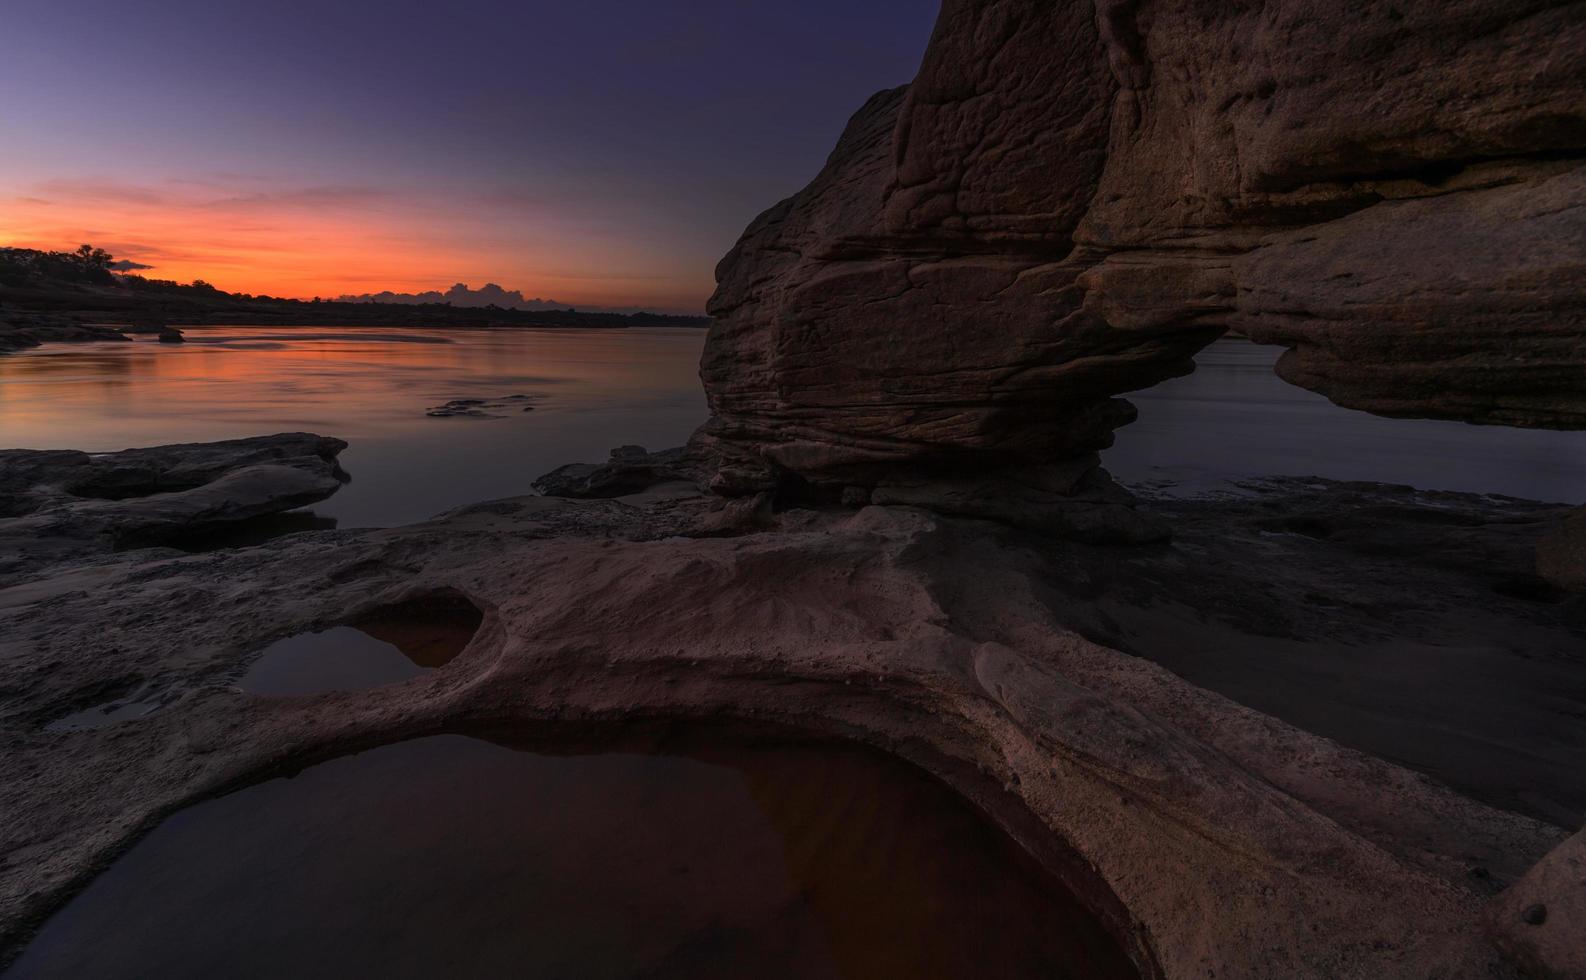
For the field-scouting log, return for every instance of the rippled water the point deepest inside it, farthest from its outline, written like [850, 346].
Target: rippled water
[591, 390]
[451, 857]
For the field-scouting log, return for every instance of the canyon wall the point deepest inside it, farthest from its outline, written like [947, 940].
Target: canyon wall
[1073, 197]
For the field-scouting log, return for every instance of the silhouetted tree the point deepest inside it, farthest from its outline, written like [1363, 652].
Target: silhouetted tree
[93, 259]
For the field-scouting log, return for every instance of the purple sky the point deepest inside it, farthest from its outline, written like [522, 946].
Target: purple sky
[604, 152]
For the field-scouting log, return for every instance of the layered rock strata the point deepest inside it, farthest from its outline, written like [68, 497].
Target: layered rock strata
[1072, 198]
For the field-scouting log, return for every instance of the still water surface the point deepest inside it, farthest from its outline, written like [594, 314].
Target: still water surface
[1234, 417]
[591, 390]
[449, 856]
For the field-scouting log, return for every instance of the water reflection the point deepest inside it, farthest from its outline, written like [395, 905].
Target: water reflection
[1234, 418]
[595, 389]
[454, 857]
[371, 386]
[384, 647]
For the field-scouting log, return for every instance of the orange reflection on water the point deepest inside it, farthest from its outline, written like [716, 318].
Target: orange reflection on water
[590, 389]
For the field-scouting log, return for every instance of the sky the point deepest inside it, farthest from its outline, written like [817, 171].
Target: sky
[594, 152]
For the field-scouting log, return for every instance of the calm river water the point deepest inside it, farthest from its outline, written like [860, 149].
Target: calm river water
[595, 389]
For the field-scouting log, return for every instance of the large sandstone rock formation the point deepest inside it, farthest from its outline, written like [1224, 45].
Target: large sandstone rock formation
[1072, 198]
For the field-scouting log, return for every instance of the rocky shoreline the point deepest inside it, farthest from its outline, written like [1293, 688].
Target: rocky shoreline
[1297, 729]
[958, 645]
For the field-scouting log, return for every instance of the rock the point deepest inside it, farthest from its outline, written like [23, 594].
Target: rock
[480, 408]
[739, 515]
[460, 408]
[1072, 198]
[1487, 325]
[147, 496]
[1561, 554]
[171, 335]
[20, 331]
[630, 470]
[1078, 500]
[1541, 920]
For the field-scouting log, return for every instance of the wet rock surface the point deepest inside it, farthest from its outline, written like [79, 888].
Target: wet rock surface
[1072, 198]
[954, 644]
[1379, 616]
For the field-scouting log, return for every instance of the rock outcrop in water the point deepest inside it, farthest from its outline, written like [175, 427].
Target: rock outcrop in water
[1072, 198]
[57, 502]
[20, 331]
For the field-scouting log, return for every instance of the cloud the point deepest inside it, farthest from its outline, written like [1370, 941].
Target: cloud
[127, 265]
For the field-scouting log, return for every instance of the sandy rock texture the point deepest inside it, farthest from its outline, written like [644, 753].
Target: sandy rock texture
[1071, 198]
[1215, 840]
[1538, 921]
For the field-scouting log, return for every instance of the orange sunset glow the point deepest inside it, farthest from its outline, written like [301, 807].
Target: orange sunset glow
[254, 236]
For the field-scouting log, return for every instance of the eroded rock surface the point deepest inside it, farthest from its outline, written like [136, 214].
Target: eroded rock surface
[629, 470]
[1215, 839]
[1538, 921]
[1072, 198]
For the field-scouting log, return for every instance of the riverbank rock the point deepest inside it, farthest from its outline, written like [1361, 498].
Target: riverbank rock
[484, 408]
[64, 500]
[1213, 839]
[630, 470]
[1561, 554]
[20, 331]
[1072, 198]
[1542, 919]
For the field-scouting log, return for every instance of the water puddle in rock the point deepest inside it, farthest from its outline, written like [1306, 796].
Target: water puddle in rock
[450, 856]
[384, 647]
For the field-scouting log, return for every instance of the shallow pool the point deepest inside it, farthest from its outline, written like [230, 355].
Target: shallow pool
[450, 856]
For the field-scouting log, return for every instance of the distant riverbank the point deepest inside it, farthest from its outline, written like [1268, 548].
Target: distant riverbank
[51, 295]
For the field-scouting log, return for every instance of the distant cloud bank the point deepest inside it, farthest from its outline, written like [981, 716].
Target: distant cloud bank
[489, 294]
